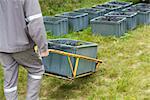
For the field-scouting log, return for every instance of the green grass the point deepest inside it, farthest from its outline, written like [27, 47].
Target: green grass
[124, 74]
[52, 7]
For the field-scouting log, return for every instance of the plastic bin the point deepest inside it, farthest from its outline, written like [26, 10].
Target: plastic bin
[92, 13]
[109, 7]
[145, 1]
[57, 26]
[120, 3]
[100, 8]
[131, 18]
[77, 21]
[142, 5]
[143, 14]
[59, 65]
[109, 25]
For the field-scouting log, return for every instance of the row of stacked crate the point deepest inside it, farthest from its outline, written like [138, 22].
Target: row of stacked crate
[118, 22]
[111, 18]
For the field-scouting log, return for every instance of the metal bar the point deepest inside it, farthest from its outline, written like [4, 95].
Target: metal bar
[85, 74]
[97, 65]
[76, 67]
[70, 63]
[74, 55]
[68, 78]
[61, 77]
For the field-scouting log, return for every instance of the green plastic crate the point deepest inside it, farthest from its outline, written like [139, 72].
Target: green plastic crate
[92, 13]
[120, 3]
[145, 1]
[100, 8]
[59, 65]
[109, 7]
[109, 26]
[143, 14]
[142, 5]
[57, 26]
[131, 18]
[77, 21]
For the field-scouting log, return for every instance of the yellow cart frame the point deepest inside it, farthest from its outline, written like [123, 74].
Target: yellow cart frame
[74, 69]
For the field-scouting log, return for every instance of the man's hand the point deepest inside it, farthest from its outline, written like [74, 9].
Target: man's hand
[44, 54]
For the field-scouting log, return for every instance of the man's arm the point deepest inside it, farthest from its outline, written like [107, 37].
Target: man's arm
[35, 25]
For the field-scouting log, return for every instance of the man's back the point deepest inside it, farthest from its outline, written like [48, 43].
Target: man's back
[12, 25]
[21, 25]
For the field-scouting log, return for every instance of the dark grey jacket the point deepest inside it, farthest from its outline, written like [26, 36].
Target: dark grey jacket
[21, 26]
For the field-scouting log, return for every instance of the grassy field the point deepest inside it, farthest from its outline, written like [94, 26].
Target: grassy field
[124, 75]
[52, 7]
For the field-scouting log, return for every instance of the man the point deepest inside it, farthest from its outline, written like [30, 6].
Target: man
[21, 27]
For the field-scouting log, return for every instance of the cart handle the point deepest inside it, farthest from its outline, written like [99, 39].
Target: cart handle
[75, 55]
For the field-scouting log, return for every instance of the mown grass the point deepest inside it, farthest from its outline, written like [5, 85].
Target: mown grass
[52, 7]
[124, 74]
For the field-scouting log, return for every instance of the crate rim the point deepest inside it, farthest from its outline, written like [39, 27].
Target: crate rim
[116, 6]
[107, 8]
[91, 44]
[128, 16]
[73, 17]
[138, 11]
[94, 7]
[110, 22]
[138, 4]
[127, 3]
[97, 10]
[55, 22]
